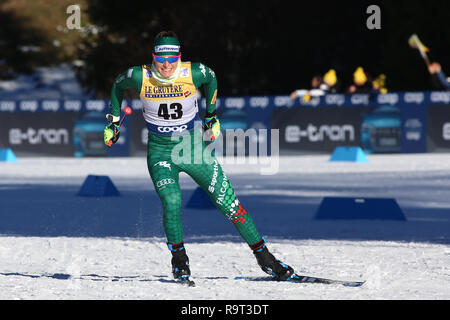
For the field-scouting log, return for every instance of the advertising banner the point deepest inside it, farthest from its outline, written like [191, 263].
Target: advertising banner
[77, 134]
[414, 128]
[438, 133]
[407, 122]
[38, 133]
[138, 135]
[381, 129]
[88, 136]
[318, 130]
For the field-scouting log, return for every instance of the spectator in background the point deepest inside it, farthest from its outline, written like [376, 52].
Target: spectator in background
[319, 86]
[379, 85]
[438, 77]
[330, 82]
[316, 82]
[361, 83]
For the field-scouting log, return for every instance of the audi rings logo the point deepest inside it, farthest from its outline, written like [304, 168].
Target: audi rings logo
[173, 129]
[163, 182]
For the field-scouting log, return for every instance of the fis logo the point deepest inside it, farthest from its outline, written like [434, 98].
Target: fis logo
[164, 164]
[184, 72]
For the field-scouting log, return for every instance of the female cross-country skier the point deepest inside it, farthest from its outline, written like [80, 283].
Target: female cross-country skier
[167, 89]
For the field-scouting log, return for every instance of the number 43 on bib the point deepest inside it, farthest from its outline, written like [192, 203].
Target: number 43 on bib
[172, 111]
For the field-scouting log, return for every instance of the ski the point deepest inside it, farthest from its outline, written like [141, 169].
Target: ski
[185, 280]
[306, 279]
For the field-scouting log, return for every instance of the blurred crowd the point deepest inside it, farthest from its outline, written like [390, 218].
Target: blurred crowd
[440, 81]
[362, 82]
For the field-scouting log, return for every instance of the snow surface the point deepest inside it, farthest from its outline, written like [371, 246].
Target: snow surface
[57, 245]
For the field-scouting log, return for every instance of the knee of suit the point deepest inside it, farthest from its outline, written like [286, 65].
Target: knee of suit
[171, 200]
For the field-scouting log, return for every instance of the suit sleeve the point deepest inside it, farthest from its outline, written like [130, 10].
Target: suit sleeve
[205, 77]
[132, 78]
[443, 80]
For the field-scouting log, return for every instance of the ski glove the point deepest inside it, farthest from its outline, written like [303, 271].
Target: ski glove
[112, 131]
[213, 124]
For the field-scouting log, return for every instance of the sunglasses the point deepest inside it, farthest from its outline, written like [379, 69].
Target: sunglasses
[162, 59]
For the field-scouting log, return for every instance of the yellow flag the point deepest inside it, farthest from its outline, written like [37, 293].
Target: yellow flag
[414, 42]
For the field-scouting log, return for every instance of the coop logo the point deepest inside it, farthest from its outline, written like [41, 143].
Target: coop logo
[28, 105]
[172, 129]
[8, 106]
[335, 99]
[38, 136]
[413, 129]
[388, 98]
[72, 105]
[163, 182]
[314, 133]
[359, 99]
[283, 101]
[259, 102]
[95, 105]
[49, 105]
[237, 103]
[414, 97]
[314, 102]
[440, 96]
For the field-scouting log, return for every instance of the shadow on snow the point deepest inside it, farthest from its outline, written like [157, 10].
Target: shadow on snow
[56, 210]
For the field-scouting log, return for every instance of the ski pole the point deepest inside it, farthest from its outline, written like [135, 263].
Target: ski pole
[127, 111]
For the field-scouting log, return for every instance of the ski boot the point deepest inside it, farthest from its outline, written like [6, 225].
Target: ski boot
[270, 265]
[180, 264]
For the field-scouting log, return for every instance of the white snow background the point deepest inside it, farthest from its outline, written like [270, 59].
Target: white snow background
[57, 245]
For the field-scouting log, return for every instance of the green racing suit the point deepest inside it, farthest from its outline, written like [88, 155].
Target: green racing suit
[164, 159]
